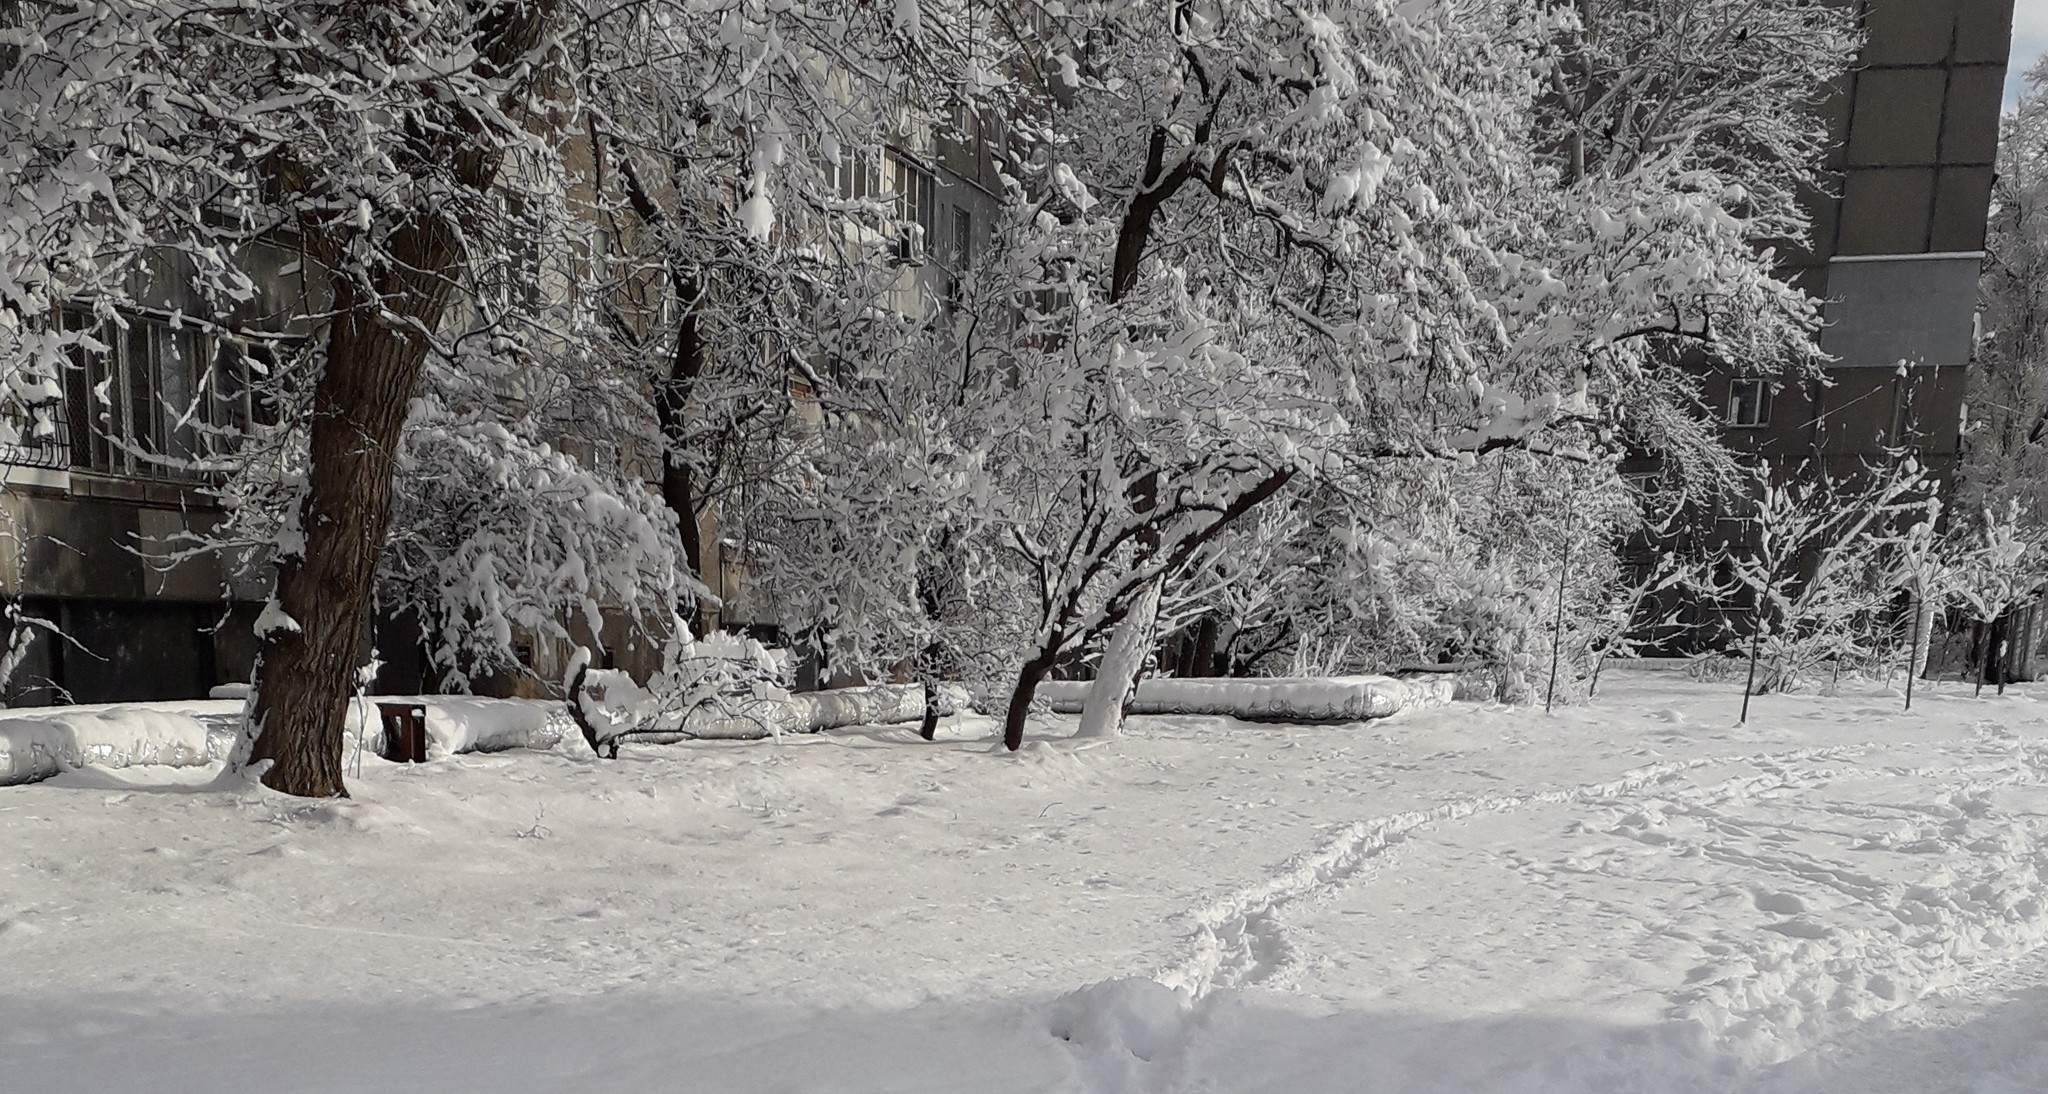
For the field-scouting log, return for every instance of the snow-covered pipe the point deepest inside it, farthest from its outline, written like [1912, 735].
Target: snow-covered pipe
[811, 712]
[1323, 699]
[38, 742]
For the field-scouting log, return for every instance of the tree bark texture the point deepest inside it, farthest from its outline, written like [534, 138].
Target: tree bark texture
[376, 351]
[1028, 678]
[306, 675]
[672, 394]
[678, 479]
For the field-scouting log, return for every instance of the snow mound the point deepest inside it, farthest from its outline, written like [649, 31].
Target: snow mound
[807, 712]
[746, 718]
[464, 724]
[1325, 699]
[1133, 1014]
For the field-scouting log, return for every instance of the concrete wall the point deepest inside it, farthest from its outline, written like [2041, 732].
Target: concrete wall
[1917, 128]
[1917, 309]
[93, 558]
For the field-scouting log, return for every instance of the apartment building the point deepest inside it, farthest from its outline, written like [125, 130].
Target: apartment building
[97, 506]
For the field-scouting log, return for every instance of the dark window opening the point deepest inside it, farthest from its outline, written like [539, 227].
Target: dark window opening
[1749, 403]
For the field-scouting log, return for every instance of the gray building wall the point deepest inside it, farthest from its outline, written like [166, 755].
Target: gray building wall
[91, 554]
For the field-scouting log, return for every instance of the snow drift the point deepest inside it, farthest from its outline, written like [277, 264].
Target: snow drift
[40, 743]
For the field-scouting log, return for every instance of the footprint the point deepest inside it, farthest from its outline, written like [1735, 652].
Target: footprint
[1780, 903]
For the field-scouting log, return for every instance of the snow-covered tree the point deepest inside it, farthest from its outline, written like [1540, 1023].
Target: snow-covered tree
[2005, 438]
[1253, 253]
[2004, 567]
[1248, 250]
[356, 148]
[1659, 570]
[1928, 563]
[751, 166]
[1253, 245]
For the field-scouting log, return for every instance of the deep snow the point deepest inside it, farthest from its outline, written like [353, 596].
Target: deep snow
[1633, 895]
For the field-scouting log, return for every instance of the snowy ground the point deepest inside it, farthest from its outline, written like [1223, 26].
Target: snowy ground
[1632, 896]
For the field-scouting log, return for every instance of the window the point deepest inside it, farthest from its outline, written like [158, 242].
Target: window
[32, 426]
[158, 397]
[910, 192]
[963, 239]
[1749, 403]
[960, 254]
[917, 208]
[858, 176]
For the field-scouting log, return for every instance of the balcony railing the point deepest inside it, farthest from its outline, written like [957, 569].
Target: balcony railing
[51, 450]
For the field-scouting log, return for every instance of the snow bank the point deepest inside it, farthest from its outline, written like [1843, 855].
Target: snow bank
[1631, 894]
[1327, 699]
[36, 743]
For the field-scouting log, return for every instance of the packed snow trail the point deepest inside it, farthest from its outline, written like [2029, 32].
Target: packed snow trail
[1239, 942]
[1827, 888]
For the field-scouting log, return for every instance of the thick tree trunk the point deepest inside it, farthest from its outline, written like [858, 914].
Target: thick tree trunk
[1103, 714]
[306, 674]
[1028, 678]
[671, 411]
[672, 395]
[376, 350]
[1201, 651]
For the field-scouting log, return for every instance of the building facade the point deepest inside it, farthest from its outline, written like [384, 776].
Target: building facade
[1896, 249]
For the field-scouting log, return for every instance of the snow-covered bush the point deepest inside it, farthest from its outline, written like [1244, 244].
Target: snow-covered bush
[1438, 564]
[2003, 566]
[1809, 581]
[723, 678]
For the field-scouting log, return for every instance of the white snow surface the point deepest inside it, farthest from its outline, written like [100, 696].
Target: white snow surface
[1635, 895]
